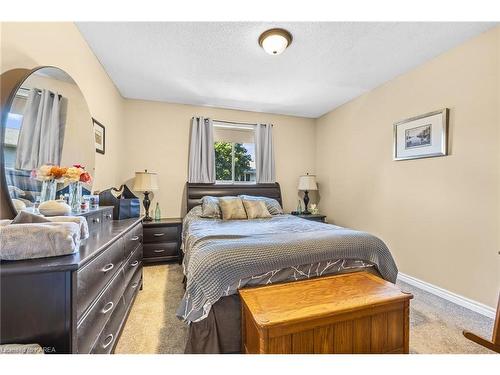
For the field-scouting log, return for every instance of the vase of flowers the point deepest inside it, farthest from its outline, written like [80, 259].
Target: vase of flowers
[50, 175]
[48, 191]
[75, 195]
[75, 176]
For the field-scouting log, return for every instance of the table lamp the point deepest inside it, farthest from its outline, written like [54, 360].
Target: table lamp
[307, 183]
[146, 182]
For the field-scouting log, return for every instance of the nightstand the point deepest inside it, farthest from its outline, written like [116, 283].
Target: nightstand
[313, 217]
[162, 240]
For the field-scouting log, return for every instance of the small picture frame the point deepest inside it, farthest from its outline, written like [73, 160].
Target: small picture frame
[423, 136]
[99, 136]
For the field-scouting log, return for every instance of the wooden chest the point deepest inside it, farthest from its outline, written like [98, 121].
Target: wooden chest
[349, 313]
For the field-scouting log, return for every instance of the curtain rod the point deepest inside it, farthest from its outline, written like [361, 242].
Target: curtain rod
[39, 91]
[235, 122]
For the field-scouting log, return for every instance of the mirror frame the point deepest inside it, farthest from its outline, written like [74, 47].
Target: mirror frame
[10, 82]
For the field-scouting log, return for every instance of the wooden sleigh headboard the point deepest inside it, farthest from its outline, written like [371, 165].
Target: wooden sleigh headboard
[194, 192]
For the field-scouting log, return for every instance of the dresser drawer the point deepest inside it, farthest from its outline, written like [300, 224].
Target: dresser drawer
[161, 234]
[107, 339]
[94, 222]
[92, 278]
[158, 250]
[133, 286]
[132, 239]
[107, 218]
[93, 322]
[133, 263]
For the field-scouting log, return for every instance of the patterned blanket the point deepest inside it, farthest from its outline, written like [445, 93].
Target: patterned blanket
[220, 254]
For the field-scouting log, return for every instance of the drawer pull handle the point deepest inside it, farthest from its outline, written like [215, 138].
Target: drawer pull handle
[108, 307]
[134, 238]
[158, 234]
[96, 220]
[134, 285]
[108, 340]
[159, 251]
[108, 216]
[108, 267]
[134, 263]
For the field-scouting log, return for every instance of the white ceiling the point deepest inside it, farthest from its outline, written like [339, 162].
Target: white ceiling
[220, 64]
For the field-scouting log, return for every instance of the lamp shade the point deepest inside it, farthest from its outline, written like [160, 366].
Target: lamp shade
[145, 181]
[308, 182]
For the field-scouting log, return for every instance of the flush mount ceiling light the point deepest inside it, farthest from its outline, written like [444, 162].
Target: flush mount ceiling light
[275, 41]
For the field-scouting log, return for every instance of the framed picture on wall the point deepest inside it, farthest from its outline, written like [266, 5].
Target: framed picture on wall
[423, 136]
[99, 136]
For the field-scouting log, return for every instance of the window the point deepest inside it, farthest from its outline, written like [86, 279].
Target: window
[234, 154]
[12, 127]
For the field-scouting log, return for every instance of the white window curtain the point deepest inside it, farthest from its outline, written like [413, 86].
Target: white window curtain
[42, 132]
[264, 154]
[201, 151]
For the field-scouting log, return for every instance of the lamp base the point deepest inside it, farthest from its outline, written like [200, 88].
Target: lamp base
[306, 203]
[146, 202]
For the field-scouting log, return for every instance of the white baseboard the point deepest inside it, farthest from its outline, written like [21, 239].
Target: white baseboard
[449, 296]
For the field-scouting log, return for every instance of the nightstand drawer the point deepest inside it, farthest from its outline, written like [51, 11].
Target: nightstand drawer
[160, 250]
[161, 234]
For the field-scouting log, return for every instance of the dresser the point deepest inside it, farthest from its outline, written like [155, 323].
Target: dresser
[75, 303]
[162, 240]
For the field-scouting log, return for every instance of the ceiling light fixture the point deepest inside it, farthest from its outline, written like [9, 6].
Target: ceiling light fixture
[275, 41]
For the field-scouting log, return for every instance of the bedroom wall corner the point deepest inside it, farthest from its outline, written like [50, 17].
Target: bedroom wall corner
[32, 44]
[439, 216]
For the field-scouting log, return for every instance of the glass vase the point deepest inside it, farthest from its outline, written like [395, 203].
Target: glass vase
[75, 196]
[48, 190]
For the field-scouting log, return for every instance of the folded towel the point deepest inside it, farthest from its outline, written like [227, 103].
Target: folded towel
[80, 220]
[24, 217]
[38, 240]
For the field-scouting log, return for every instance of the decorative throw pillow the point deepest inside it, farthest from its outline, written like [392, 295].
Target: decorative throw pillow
[232, 208]
[256, 209]
[272, 205]
[210, 207]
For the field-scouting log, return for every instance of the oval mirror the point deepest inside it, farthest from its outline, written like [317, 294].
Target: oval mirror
[46, 122]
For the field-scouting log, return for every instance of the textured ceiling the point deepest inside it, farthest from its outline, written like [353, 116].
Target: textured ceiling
[220, 64]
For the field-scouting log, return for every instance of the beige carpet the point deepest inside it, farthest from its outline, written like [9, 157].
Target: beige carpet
[152, 327]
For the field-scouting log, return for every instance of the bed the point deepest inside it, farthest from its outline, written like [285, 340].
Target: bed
[221, 257]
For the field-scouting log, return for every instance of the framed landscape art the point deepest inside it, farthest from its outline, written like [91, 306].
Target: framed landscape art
[99, 136]
[422, 136]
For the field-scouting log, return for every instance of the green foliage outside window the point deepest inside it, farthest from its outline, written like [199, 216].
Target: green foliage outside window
[223, 161]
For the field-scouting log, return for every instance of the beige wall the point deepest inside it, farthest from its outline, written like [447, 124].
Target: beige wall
[439, 216]
[28, 45]
[157, 136]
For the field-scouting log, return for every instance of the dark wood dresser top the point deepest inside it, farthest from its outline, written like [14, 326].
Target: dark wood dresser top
[90, 248]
